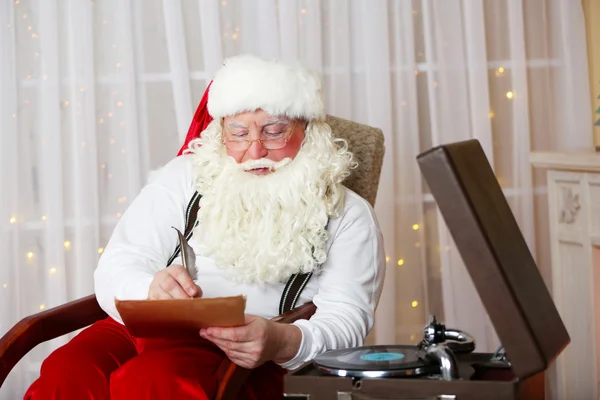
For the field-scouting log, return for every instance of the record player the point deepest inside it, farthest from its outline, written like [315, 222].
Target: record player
[445, 364]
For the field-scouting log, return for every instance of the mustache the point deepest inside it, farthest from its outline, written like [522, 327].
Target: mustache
[264, 163]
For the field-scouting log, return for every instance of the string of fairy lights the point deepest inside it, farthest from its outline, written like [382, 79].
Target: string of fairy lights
[107, 117]
[29, 80]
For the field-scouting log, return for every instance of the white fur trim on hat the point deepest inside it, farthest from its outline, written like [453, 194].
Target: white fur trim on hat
[248, 83]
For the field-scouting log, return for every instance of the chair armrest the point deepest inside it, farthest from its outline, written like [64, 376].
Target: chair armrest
[231, 377]
[44, 326]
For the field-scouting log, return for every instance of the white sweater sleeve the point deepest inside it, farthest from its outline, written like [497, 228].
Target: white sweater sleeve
[349, 287]
[143, 239]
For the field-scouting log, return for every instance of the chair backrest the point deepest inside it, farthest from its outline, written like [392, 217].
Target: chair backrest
[367, 145]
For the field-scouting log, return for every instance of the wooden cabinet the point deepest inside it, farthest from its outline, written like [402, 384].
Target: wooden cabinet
[573, 190]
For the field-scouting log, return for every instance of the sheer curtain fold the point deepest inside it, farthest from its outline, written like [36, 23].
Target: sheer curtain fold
[178, 62]
[378, 101]
[476, 59]
[577, 111]
[82, 147]
[96, 94]
[49, 153]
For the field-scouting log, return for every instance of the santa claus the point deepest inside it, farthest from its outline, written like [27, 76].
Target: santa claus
[267, 176]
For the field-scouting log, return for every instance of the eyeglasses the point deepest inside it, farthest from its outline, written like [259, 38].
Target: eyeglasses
[272, 137]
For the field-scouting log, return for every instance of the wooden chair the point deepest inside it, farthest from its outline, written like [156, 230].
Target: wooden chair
[367, 145]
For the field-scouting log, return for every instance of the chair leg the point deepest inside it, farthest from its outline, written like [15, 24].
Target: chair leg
[231, 379]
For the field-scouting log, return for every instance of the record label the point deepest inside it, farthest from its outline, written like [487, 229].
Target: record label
[386, 356]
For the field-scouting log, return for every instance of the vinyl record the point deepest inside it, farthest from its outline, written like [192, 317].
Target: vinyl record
[376, 361]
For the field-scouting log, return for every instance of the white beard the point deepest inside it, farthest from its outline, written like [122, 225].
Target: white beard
[263, 229]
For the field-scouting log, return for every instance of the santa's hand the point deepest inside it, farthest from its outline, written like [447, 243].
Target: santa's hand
[173, 282]
[257, 342]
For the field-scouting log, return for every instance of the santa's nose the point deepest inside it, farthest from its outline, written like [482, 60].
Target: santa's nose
[256, 151]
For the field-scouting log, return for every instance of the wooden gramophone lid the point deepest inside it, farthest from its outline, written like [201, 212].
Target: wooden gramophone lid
[496, 255]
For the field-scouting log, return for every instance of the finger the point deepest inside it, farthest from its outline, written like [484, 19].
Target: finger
[160, 294]
[225, 349]
[199, 291]
[183, 278]
[242, 359]
[171, 286]
[237, 334]
[249, 348]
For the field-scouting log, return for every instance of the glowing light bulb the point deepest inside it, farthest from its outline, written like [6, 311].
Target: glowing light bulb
[415, 304]
[387, 259]
[44, 218]
[509, 95]
[491, 114]
[415, 227]
[5, 285]
[52, 270]
[12, 220]
[100, 250]
[67, 244]
[401, 261]
[30, 255]
[42, 306]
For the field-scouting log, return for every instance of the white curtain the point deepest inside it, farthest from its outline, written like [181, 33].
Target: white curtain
[95, 94]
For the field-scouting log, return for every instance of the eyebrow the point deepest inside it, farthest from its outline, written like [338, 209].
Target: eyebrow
[270, 122]
[274, 122]
[237, 125]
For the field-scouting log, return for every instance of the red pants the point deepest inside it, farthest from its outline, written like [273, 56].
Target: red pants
[105, 362]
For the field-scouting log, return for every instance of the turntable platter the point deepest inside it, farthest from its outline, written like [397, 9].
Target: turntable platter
[376, 361]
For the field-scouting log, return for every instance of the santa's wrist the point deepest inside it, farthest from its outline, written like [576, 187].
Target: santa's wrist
[288, 338]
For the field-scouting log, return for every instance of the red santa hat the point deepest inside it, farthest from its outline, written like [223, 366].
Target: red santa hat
[248, 83]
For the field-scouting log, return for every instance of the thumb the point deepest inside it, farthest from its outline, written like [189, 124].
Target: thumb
[199, 291]
[249, 318]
